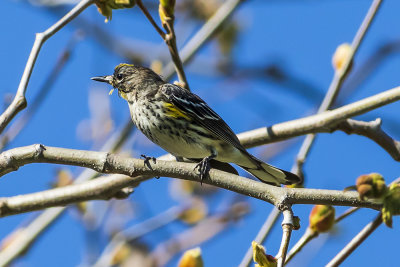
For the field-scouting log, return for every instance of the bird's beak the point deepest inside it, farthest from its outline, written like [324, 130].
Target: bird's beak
[105, 79]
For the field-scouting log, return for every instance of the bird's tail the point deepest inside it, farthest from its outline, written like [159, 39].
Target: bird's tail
[270, 174]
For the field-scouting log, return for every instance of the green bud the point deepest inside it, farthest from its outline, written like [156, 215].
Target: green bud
[391, 204]
[371, 186]
[191, 258]
[322, 218]
[166, 9]
[261, 258]
[105, 7]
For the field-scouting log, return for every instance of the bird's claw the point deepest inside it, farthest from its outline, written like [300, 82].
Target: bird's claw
[147, 161]
[204, 168]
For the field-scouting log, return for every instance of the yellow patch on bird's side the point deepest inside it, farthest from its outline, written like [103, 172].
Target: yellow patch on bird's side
[173, 111]
[123, 95]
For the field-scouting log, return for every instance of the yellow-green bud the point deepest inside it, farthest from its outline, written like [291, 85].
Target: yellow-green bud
[371, 186]
[261, 258]
[166, 9]
[191, 258]
[322, 218]
[391, 204]
[105, 7]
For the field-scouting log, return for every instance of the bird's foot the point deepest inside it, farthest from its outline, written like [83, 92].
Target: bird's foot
[204, 167]
[147, 161]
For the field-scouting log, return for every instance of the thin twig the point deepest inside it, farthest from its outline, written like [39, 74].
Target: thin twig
[19, 101]
[304, 239]
[348, 212]
[170, 40]
[356, 241]
[287, 227]
[336, 83]
[150, 18]
[261, 236]
[209, 28]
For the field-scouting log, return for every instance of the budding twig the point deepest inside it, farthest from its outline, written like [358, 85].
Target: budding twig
[170, 40]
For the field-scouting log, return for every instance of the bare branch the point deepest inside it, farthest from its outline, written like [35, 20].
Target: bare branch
[204, 34]
[373, 131]
[150, 18]
[356, 241]
[305, 238]
[330, 121]
[106, 187]
[19, 101]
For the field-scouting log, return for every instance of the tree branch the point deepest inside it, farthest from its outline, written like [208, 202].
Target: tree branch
[19, 101]
[287, 226]
[106, 187]
[330, 121]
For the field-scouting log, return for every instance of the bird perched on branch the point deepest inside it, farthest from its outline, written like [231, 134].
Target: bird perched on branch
[184, 125]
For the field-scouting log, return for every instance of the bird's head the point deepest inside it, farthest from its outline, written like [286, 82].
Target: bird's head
[132, 81]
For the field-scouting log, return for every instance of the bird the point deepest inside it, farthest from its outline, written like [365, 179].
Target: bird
[184, 125]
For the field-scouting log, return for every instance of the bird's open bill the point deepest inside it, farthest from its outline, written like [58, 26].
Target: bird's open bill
[105, 79]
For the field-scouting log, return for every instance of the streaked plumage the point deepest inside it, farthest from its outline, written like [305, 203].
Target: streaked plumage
[184, 125]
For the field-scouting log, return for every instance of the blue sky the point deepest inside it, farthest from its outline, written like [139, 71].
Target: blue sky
[298, 36]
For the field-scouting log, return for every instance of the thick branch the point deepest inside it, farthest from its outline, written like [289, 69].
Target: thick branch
[106, 187]
[332, 120]
[19, 101]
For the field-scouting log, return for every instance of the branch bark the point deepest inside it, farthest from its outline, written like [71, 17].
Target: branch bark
[135, 171]
[330, 121]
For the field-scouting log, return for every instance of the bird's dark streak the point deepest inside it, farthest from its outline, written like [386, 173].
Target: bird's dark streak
[206, 135]
[216, 125]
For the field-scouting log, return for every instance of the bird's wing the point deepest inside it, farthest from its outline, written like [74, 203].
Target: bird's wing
[200, 112]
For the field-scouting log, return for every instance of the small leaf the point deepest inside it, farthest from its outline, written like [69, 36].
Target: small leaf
[261, 258]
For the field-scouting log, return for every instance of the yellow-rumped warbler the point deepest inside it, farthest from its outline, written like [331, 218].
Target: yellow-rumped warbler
[184, 125]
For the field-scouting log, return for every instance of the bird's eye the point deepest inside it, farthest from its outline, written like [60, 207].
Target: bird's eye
[119, 76]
